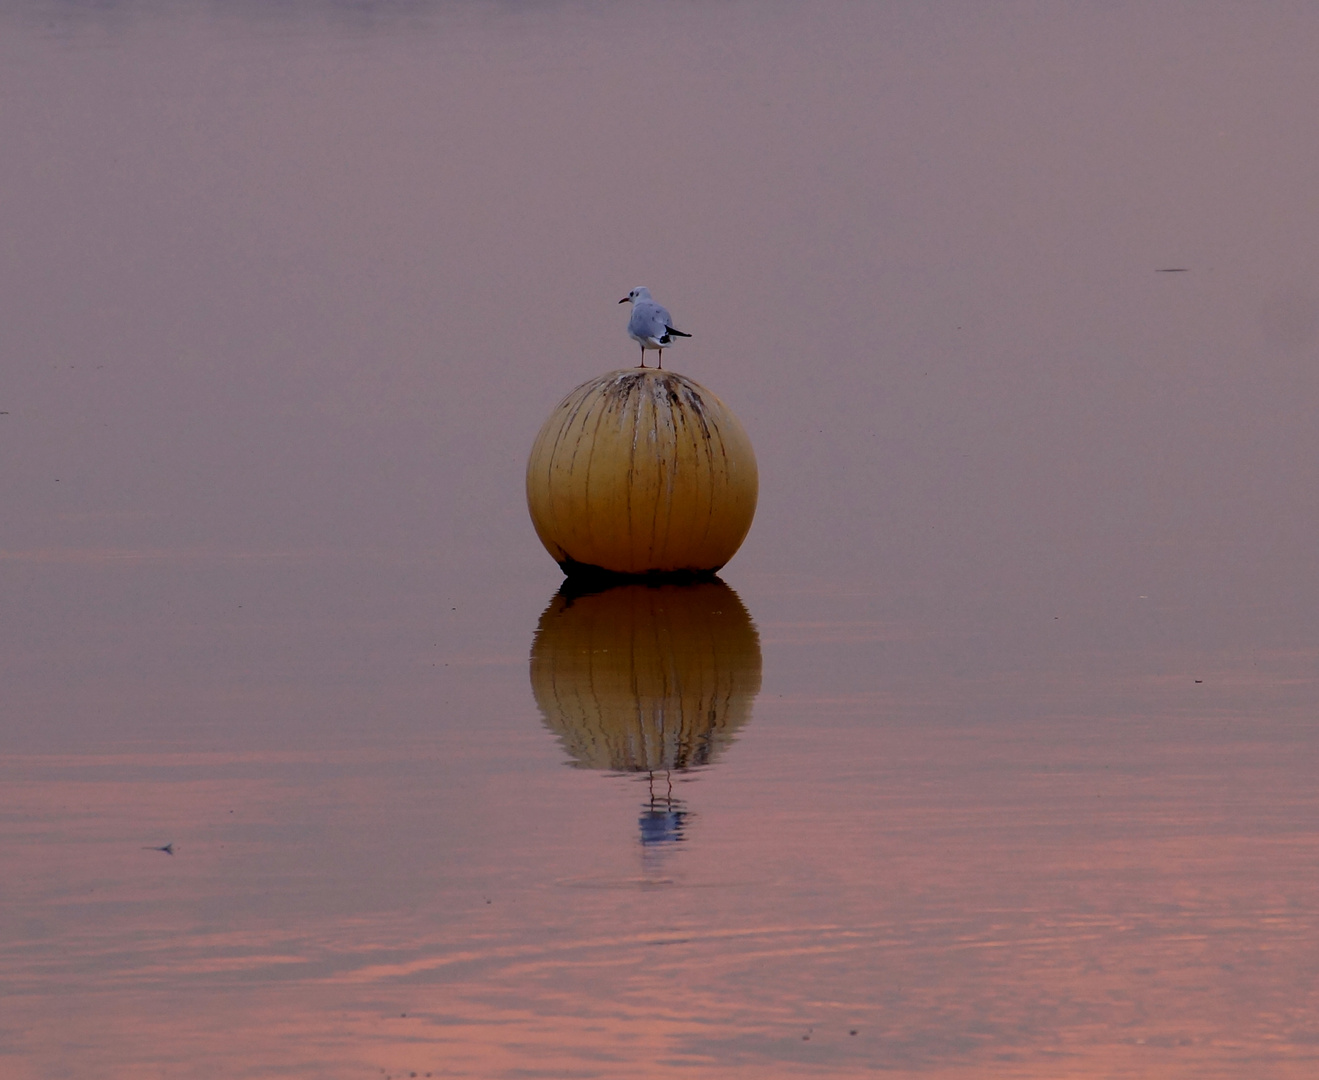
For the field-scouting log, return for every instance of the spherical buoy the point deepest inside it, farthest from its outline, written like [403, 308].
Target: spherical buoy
[642, 472]
[642, 678]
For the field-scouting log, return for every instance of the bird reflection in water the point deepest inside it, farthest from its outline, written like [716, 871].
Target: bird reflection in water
[663, 823]
[647, 679]
[664, 817]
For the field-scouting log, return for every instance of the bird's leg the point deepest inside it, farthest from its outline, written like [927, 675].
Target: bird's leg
[660, 362]
[643, 356]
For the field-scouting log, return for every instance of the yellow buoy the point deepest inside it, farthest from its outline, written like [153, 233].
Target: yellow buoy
[642, 472]
[642, 679]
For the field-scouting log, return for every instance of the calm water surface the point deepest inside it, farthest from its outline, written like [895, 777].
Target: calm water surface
[993, 757]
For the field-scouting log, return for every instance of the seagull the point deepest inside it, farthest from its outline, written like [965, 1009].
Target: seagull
[651, 325]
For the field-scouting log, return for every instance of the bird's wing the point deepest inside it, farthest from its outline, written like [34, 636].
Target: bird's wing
[646, 320]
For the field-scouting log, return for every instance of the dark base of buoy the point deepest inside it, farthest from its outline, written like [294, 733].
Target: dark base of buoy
[584, 578]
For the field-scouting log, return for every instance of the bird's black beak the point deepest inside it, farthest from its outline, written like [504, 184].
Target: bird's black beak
[625, 300]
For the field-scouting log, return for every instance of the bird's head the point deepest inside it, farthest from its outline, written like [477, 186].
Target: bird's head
[639, 293]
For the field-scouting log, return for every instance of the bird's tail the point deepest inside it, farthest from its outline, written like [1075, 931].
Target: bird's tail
[670, 332]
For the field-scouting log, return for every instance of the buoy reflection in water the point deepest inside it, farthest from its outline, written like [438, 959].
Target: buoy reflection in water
[653, 679]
